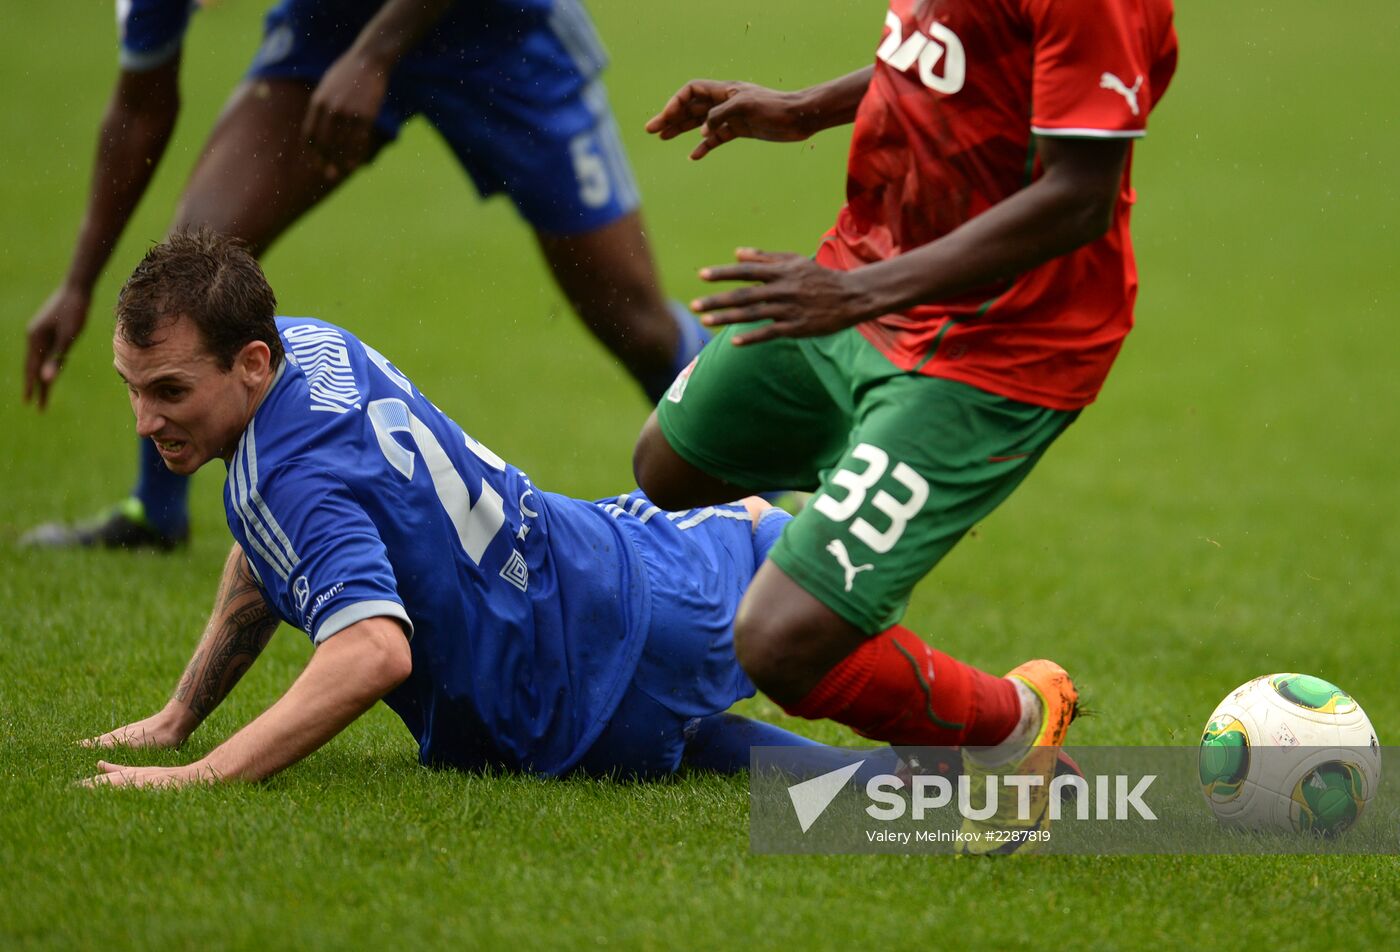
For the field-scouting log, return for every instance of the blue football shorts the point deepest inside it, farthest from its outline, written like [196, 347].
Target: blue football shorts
[522, 108]
[699, 564]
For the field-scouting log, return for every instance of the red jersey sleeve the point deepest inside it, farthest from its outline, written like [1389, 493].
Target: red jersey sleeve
[1099, 65]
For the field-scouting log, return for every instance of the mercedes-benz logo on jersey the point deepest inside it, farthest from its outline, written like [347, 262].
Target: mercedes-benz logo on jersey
[301, 591]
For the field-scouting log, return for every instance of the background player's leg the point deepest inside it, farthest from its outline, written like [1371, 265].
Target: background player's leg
[609, 278]
[257, 175]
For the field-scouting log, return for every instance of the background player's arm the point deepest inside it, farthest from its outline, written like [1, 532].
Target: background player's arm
[340, 118]
[135, 131]
[239, 627]
[1070, 205]
[347, 674]
[729, 110]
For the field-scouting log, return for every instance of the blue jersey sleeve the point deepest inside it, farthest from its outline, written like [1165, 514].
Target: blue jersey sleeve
[150, 31]
[319, 557]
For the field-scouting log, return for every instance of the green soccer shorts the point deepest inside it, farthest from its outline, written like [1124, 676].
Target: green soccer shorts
[902, 464]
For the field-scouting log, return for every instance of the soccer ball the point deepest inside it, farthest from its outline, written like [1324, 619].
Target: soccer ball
[1289, 752]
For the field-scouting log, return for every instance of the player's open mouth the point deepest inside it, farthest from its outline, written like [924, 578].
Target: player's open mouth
[170, 447]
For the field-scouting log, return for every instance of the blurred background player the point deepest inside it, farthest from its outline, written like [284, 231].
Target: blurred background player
[513, 87]
[968, 302]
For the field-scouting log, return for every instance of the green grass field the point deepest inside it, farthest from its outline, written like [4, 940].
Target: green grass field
[1226, 510]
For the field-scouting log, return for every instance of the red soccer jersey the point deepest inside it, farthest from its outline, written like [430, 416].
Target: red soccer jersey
[945, 131]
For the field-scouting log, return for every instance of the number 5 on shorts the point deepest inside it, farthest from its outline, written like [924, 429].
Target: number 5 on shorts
[857, 485]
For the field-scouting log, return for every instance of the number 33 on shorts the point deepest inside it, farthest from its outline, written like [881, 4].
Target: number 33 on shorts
[857, 486]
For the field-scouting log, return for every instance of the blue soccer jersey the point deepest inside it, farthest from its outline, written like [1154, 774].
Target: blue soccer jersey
[354, 497]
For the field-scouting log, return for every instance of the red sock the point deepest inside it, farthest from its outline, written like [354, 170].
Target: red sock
[896, 689]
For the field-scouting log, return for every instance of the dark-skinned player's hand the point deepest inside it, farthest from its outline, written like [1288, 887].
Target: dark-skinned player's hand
[800, 297]
[47, 340]
[725, 110]
[339, 121]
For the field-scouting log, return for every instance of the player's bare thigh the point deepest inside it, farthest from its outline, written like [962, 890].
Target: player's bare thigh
[257, 174]
[672, 482]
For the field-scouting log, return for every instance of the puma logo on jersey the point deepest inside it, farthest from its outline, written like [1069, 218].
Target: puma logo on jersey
[1109, 81]
[838, 548]
[942, 62]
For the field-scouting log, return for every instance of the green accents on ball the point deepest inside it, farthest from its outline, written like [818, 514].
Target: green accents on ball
[1312, 693]
[1329, 799]
[1223, 762]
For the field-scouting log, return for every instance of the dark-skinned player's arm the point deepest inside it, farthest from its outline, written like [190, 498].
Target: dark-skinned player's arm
[731, 110]
[339, 121]
[239, 627]
[1070, 205]
[134, 133]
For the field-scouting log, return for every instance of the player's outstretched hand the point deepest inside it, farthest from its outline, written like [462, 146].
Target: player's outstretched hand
[49, 336]
[800, 297]
[117, 775]
[339, 122]
[727, 110]
[158, 730]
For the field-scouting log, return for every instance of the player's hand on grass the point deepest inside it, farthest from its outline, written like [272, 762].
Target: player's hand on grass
[725, 110]
[165, 729]
[339, 121]
[119, 775]
[49, 336]
[800, 297]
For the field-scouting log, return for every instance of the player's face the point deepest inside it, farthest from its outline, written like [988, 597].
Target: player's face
[191, 408]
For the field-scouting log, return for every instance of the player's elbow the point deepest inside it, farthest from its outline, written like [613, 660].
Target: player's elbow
[385, 659]
[396, 661]
[1089, 217]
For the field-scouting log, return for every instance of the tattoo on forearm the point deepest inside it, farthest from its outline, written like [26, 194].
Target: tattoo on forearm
[240, 628]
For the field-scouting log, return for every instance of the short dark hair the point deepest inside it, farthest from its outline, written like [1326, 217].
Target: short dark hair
[209, 278]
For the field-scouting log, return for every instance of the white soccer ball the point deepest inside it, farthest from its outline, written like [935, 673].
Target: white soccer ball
[1289, 752]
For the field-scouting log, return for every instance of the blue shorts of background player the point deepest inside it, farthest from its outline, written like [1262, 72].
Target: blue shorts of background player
[515, 95]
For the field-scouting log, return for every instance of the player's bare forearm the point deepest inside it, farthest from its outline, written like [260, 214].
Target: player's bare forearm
[135, 130]
[724, 111]
[397, 28]
[347, 674]
[345, 677]
[137, 127]
[239, 627]
[834, 103]
[339, 120]
[1070, 205]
